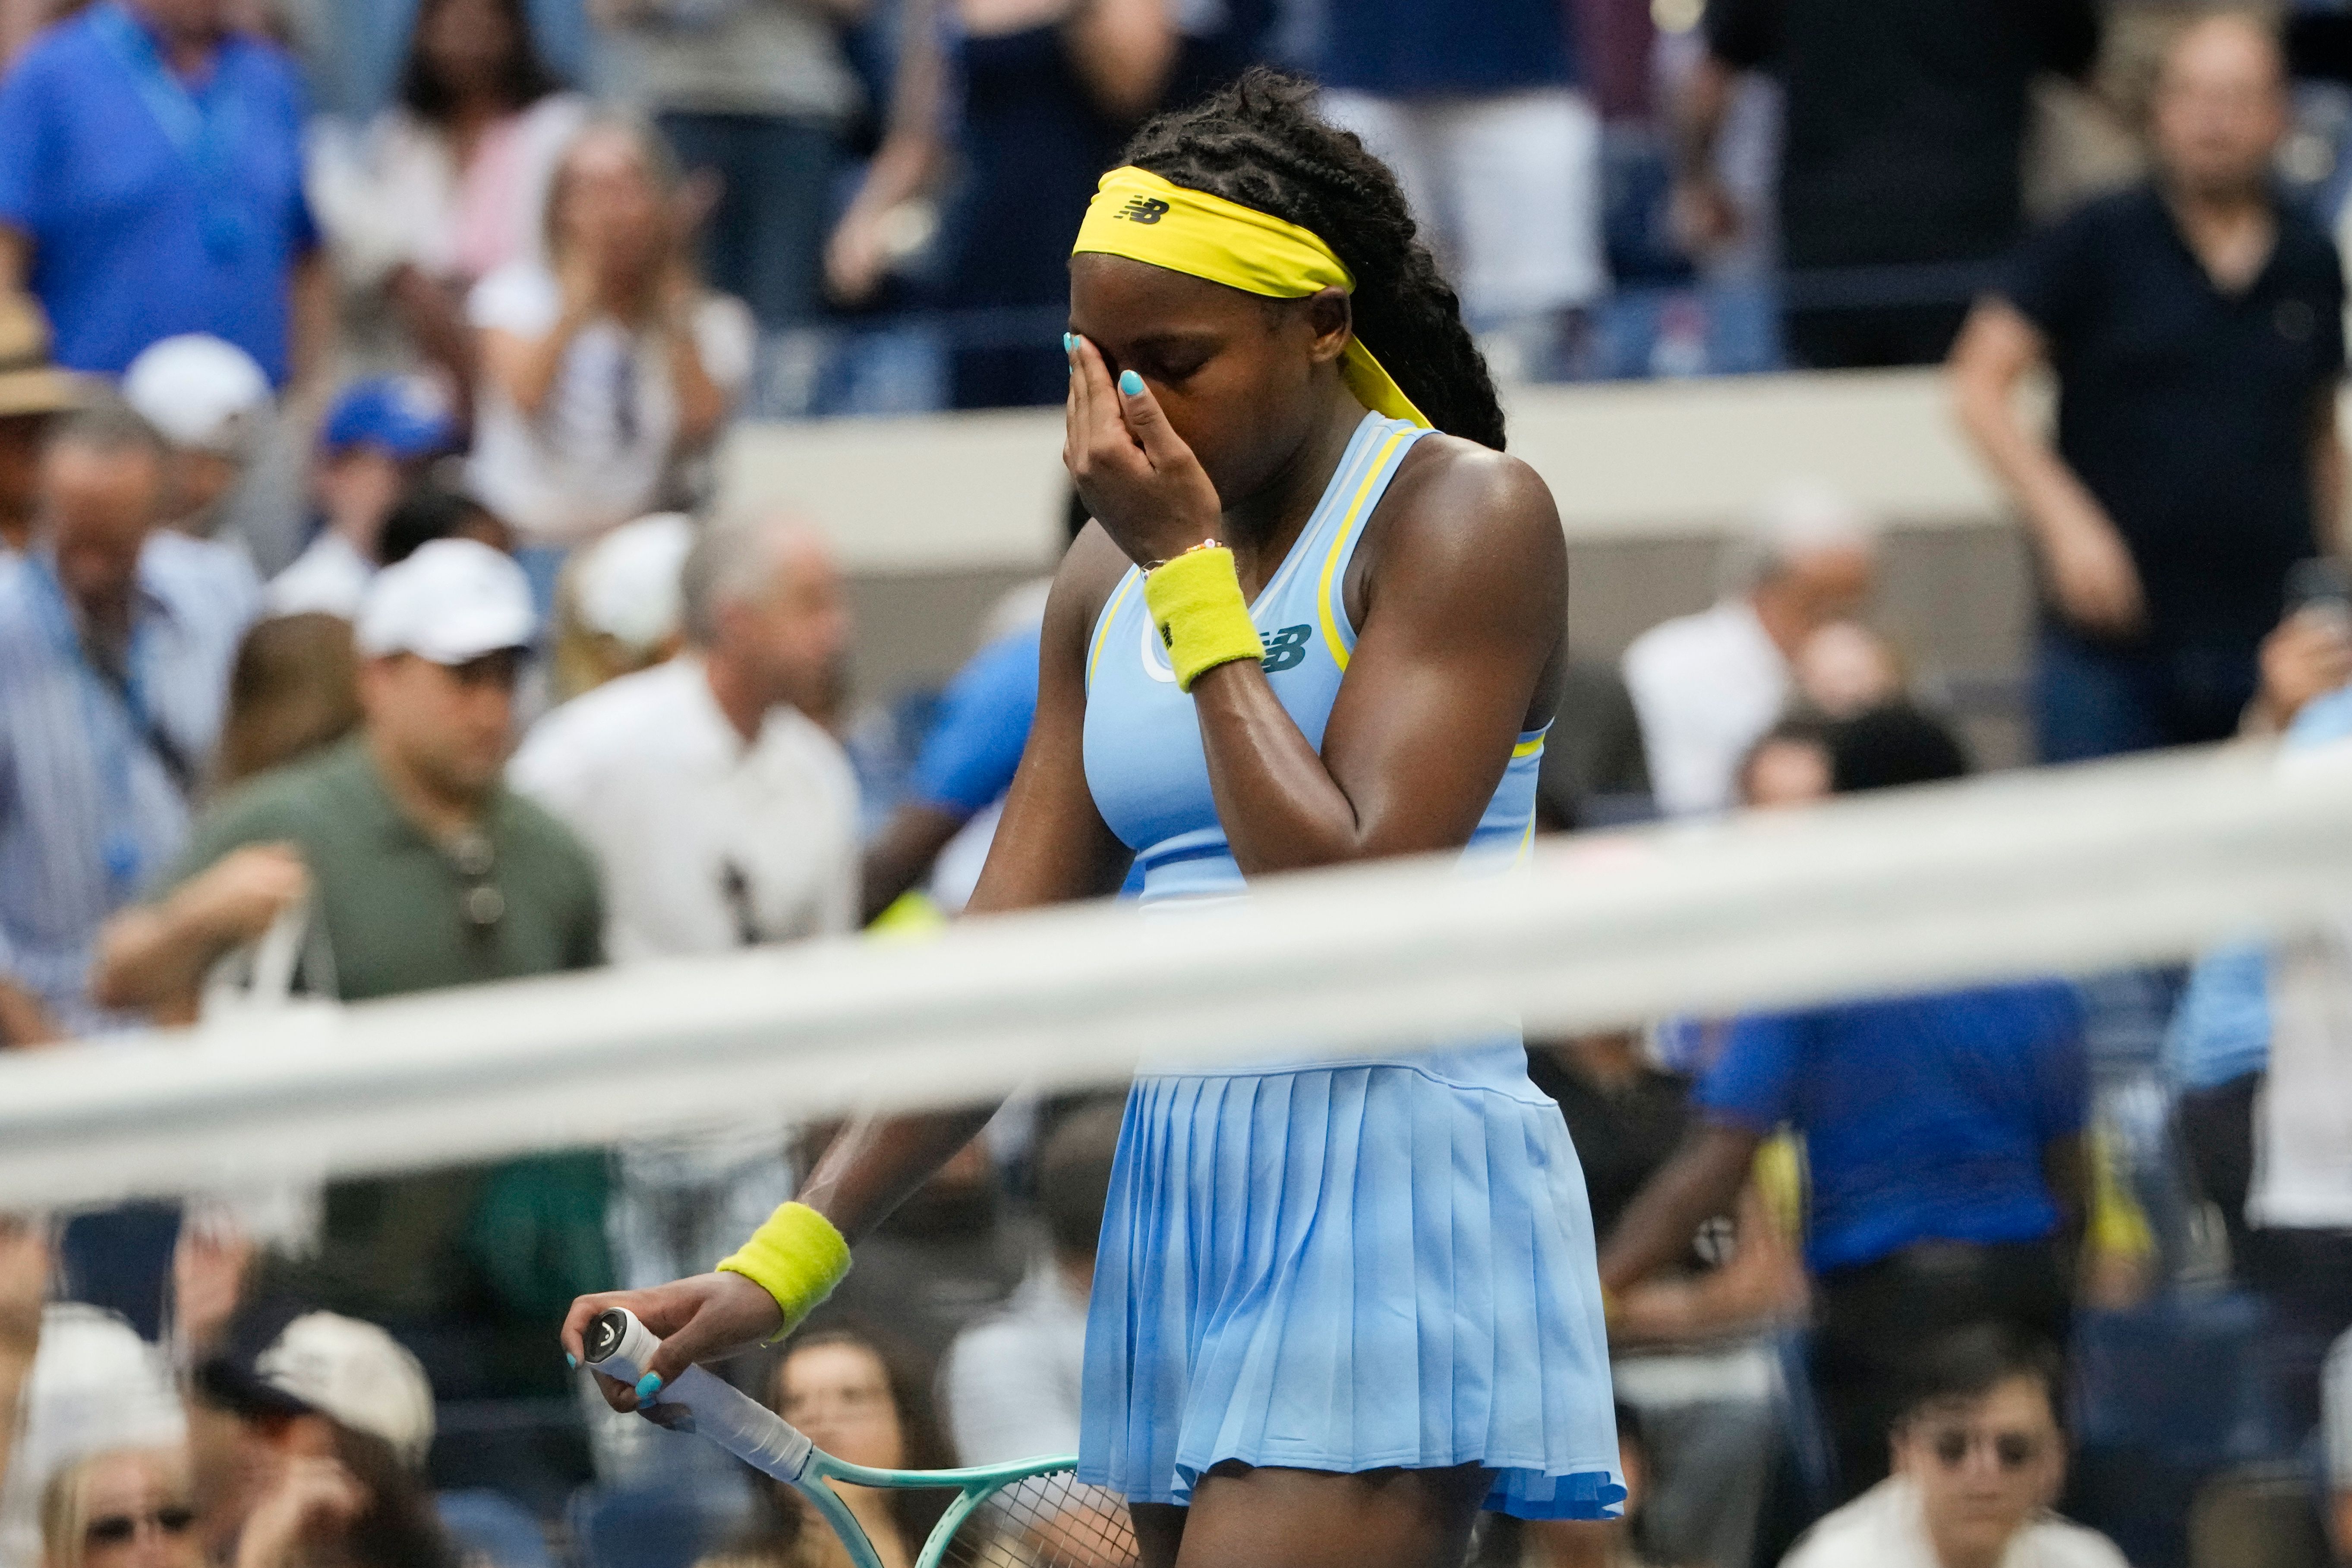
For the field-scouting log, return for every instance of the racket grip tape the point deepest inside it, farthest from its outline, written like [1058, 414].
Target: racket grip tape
[619, 1346]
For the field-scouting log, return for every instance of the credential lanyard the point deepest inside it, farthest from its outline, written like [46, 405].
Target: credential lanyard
[206, 126]
[99, 690]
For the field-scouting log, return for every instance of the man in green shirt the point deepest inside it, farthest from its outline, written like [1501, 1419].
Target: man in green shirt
[415, 869]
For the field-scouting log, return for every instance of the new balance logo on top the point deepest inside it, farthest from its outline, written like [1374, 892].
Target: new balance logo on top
[1143, 210]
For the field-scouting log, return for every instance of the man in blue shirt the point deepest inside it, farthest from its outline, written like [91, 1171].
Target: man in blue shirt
[153, 186]
[1943, 1147]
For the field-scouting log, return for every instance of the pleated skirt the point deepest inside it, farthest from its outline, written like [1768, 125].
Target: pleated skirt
[1349, 1268]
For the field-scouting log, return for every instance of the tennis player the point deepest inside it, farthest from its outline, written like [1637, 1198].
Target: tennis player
[1319, 618]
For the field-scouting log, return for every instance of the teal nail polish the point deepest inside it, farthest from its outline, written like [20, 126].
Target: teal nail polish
[1069, 342]
[648, 1385]
[1130, 383]
[571, 1361]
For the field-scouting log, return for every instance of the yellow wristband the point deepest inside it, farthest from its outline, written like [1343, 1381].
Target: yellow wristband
[797, 1256]
[1196, 601]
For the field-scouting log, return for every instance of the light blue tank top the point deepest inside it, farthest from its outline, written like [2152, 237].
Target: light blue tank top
[1150, 775]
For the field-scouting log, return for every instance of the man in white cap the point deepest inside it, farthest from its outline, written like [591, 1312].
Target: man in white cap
[421, 870]
[209, 401]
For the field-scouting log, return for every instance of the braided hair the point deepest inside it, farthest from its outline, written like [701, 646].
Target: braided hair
[1259, 143]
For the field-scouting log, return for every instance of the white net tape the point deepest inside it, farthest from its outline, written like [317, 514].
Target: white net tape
[2058, 872]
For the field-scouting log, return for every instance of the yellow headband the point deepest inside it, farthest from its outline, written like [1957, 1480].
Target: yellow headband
[1137, 214]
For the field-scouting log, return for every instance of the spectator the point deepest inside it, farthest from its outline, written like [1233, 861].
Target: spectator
[1498, 149]
[446, 186]
[1901, 152]
[126, 1508]
[420, 871]
[2196, 327]
[373, 445]
[1686, 1349]
[154, 187]
[210, 404]
[75, 1381]
[295, 690]
[1846, 668]
[862, 1400]
[1594, 770]
[623, 607]
[1012, 1381]
[114, 657]
[1791, 765]
[2336, 1397]
[310, 1446]
[722, 816]
[1943, 1144]
[758, 96]
[1048, 92]
[607, 364]
[432, 510]
[1978, 1458]
[31, 393]
[1707, 686]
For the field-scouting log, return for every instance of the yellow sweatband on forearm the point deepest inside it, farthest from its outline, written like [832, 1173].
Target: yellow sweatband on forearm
[1196, 601]
[797, 1256]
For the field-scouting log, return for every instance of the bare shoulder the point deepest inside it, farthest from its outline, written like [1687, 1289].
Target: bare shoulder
[1083, 584]
[1460, 511]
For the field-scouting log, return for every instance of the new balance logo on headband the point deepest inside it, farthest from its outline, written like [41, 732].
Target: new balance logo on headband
[1143, 210]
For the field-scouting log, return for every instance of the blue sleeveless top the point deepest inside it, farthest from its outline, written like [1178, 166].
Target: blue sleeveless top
[1144, 760]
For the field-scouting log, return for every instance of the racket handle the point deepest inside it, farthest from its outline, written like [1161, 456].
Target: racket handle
[619, 1346]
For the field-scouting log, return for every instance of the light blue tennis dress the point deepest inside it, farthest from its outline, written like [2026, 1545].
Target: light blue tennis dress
[1383, 1261]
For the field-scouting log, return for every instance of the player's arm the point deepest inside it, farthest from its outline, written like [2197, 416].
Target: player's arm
[1462, 610]
[1051, 847]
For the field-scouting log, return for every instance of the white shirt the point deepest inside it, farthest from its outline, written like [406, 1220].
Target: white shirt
[331, 577]
[597, 454]
[706, 844]
[1706, 687]
[1884, 1528]
[1012, 1381]
[2303, 1127]
[391, 192]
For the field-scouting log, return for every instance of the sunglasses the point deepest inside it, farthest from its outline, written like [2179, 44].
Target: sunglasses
[115, 1528]
[2012, 1451]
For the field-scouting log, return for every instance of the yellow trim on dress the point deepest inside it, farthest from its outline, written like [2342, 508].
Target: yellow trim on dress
[1102, 629]
[1340, 543]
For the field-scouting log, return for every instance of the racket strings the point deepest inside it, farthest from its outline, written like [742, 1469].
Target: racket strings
[1050, 1521]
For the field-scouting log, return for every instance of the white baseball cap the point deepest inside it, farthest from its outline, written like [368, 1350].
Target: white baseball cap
[356, 1374]
[198, 392]
[452, 601]
[627, 584]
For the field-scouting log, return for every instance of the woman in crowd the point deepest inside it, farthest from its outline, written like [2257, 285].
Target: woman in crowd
[607, 365]
[445, 186]
[125, 1509]
[1319, 618]
[860, 1399]
[294, 688]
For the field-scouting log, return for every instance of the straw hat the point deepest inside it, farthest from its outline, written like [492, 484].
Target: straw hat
[29, 382]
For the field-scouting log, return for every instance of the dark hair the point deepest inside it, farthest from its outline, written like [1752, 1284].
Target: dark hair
[1970, 1363]
[526, 79]
[1073, 1175]
[429, 511]
[780, 1516]
[1260, 143]
[398, 1529]
[294, 688]
[1889, 746]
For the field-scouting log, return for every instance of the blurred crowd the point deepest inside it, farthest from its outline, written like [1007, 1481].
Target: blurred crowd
[369, 626]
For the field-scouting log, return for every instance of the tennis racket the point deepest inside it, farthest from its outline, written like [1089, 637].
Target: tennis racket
[1032, 1514]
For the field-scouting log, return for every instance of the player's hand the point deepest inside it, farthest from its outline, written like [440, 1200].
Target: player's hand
[1133, 471]
[2090, 572]
[707, 1316]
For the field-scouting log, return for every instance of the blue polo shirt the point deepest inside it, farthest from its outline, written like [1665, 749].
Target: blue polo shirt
[968, 763]
[155, 206]
[1924, 1117]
